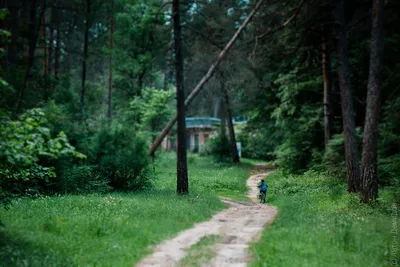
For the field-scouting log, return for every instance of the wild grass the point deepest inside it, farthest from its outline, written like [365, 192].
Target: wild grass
[115, 229]
[319, 224]
[201, 252]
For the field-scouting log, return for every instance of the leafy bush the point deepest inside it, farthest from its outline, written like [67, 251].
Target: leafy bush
[83, 179]
[121, 156]
[334, 158]
[217, 147]
[28, 151]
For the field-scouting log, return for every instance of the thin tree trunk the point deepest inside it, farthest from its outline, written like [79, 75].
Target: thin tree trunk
[182, 185]
[85, 54]
[222, 117]
[50, 56]
[205, 79]
[110, 76]
[326, 69]
[167, 65]
[12, 47]
[57, 52]
[350, 141]
[34, 33]
[369, 170]
[232, 138]
[67, 66]
[45, 68]
[217, 106]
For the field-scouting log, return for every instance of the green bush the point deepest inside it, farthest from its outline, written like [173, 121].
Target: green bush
[334, 158]
[83, 179]
[28, 152]
[121, 156]
[217, 147]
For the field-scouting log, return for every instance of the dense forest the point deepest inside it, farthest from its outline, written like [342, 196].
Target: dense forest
[90, 88]
[88, 85]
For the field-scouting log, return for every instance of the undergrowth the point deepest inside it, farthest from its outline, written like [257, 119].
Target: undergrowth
[115, 229]
[319, 224]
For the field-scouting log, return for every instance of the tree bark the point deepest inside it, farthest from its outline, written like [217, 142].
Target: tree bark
[167, 65]
[34, 28]
[110, 76]
[51, 45]
[182, 185]
[45, 67]
[350, 141]
[57, 52]
[205, 79]
[231, 130]
[369, 170]
[326, 69]
[15, 18]
[85, 54]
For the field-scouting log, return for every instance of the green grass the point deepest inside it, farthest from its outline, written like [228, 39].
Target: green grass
[201, 252]
[115, 229]
[319, 224]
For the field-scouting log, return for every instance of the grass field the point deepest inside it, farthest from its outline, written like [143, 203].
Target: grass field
[115, 229]
[319, 224]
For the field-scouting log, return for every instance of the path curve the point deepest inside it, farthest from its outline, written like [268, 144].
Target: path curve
[242, 223]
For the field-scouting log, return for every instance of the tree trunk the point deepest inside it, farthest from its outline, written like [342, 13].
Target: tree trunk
[51, 39]
[33, 36]
[85, 54]
[326, 69]
[205, 79]
[350, 141]
[57, 52]
[45, 67]
[182, 185]
[110, 76]
[68, 44]
[217, 106]
[232, 138]
[12, 47]
[167, 65]
[369, 170]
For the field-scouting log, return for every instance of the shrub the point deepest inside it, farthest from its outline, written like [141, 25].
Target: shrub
[28, 151]
[217, 147]
[121, 156]
[334, 158]
[83, 179]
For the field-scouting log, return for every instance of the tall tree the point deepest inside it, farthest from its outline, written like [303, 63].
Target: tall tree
[182, 185]
[206, 77]
[326, 69]
[110, 75]
[350, 141]
[231, 130]
[34, 28]
[85, 53]
[369, 172]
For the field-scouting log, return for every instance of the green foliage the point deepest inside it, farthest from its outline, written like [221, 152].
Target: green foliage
[121, 155]
[201, 252]
[27, 149]
[152, 109]
[115, 229]
[318, 220]
[83, 179]
[218, 147]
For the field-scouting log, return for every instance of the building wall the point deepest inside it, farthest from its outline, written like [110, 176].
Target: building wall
[203, 133]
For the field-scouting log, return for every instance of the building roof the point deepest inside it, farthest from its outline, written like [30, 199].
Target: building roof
[202, 122]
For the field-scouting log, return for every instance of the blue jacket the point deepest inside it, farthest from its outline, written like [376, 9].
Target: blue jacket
[263, 186]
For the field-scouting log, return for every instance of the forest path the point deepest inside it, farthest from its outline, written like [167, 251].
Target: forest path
[239, 225]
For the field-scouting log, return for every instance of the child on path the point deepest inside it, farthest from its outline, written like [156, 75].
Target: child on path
[263, 188]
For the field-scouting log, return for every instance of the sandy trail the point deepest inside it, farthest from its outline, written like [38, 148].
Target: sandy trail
[239, 225]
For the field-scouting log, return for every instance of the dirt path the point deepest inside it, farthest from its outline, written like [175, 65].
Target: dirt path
[239, 225]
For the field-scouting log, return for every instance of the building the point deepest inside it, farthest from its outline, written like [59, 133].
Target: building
[198, 130]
